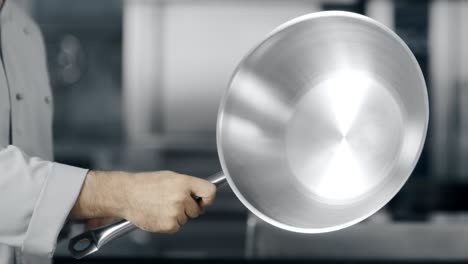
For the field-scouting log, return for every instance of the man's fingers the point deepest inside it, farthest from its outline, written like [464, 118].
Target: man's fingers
[205, 190]
[182, 219]
[207, 201]
[202, 188]
[192, 208]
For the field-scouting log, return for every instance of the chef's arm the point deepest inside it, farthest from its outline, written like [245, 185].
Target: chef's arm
[36, 197]
[154, 201]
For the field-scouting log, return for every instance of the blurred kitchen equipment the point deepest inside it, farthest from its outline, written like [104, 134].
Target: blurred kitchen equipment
[449, 97]
[322, 124]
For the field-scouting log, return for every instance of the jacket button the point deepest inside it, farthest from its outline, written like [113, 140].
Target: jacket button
[19, 97]
[47, 100]
[26, 31]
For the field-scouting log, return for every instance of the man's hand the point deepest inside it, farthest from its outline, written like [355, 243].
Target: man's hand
[154, 201]
[98, 222]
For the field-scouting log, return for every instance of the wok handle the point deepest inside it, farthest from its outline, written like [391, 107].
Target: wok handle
[91, 241]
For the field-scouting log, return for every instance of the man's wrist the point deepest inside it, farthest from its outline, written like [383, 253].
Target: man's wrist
[103, 195]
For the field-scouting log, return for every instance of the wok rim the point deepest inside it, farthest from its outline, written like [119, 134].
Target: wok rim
[277, 30]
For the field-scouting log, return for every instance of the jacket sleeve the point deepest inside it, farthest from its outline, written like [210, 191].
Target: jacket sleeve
[36, 197]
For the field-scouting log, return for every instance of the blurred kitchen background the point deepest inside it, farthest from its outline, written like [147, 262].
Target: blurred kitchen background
[137, 85]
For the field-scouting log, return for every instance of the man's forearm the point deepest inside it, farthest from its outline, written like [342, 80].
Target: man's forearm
[102, 195]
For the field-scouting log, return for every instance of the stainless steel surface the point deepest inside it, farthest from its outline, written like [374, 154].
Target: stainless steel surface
[218, 179]
[323, 122]
[366, 242]
[91, 241]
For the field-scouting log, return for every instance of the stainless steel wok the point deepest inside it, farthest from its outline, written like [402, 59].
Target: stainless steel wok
[321, 125]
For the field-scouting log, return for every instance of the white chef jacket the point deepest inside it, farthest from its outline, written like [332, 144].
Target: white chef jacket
[36, 194]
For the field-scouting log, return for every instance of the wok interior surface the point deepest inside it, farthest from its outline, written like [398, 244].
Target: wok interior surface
[323, 122]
